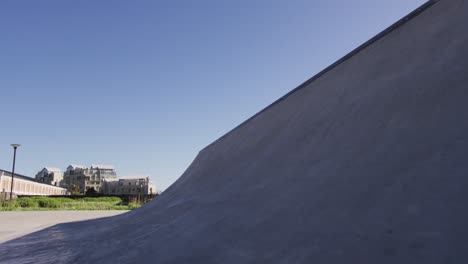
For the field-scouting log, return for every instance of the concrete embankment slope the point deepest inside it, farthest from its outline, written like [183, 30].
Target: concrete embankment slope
[367, 163]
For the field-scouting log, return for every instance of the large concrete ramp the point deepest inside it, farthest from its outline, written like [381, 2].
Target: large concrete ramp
[365, 163]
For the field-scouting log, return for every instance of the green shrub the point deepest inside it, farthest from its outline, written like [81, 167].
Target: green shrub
[27, 202]
[132, 206]
[48, 203]
[91, 192]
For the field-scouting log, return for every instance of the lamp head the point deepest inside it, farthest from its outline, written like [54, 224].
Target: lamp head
[15, 145]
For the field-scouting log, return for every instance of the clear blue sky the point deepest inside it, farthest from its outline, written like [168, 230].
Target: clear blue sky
[145, 85]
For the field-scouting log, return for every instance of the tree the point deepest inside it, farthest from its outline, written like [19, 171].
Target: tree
[75, 189]
[91, 192]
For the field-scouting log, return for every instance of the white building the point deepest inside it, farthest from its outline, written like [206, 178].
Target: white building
[85, 178]
[23, 185]
[102, 172]
[129, 185]
[50, 175]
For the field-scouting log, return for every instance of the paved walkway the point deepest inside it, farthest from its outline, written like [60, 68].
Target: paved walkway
[19, 223]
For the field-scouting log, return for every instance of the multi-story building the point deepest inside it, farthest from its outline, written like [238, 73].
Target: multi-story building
[74, 178]
[80, 178]
[49, 175]
[24, 185]
[101, 172]
[130, 185]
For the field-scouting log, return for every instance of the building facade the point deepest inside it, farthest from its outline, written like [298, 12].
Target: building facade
[78, 178]
[49, 175]
[74, 178]
[130, 185]
[23, 185]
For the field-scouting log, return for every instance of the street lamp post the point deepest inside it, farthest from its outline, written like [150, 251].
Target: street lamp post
[15, 146]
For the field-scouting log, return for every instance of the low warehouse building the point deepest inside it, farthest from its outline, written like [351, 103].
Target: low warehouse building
[129, 185]
[23, 185]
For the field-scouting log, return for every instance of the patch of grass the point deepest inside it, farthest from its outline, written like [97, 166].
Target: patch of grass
[41, 203]
[49, 203]
[27, 202]
[9, 205]
[102, 199]
[132, 206]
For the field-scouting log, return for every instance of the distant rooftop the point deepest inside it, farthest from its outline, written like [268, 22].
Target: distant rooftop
[133, 177]
[52, 169]
[110, 179]
[8, 173]
[102, 167]
[74, 166]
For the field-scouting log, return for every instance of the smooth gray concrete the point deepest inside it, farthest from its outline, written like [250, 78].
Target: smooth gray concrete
[365, 164]
[17, 224]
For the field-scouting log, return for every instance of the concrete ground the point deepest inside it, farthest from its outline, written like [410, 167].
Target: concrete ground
[20, 223]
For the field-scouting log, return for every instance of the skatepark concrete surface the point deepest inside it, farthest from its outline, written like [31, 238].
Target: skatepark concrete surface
[19, 223]
[365, 163]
